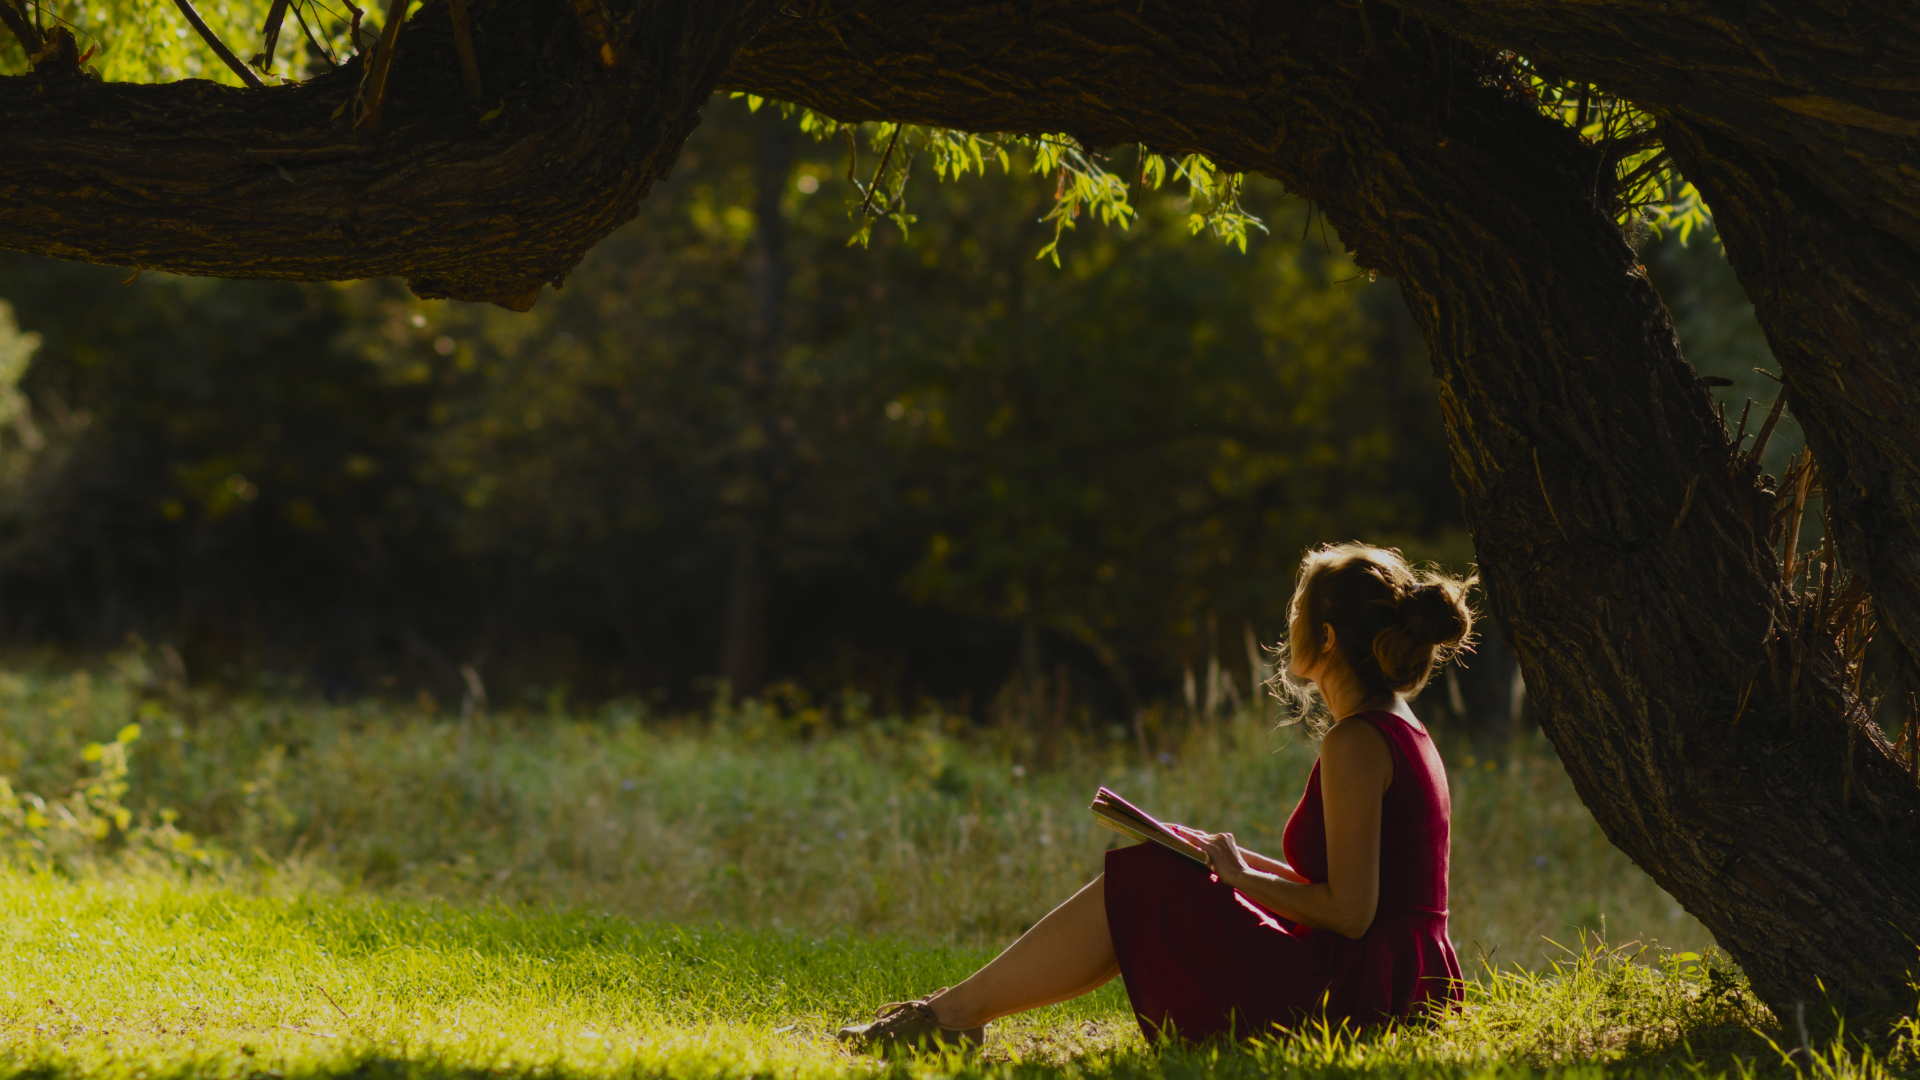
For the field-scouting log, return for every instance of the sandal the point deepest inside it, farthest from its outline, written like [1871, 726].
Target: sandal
[909, 1024]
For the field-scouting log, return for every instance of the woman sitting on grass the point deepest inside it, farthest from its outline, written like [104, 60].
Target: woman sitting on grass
[1353, 924]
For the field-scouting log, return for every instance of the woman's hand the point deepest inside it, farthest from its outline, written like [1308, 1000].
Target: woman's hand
[1224, 856]
[1192, 836]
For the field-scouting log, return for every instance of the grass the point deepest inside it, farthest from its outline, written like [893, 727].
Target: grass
[794, 818]
[372, 889]
[149, 975]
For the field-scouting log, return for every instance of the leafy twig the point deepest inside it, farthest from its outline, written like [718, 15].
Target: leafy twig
[312, 40]
[880, 174]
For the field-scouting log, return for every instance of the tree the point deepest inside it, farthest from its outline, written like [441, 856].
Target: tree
[1704, 706]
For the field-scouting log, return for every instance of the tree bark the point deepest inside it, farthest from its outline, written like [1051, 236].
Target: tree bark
[1797, 123]
[1626, 547]
[1826, 87]
[483, 201]
[1839, 300]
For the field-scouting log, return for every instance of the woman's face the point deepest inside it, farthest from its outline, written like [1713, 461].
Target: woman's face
[1303, 659]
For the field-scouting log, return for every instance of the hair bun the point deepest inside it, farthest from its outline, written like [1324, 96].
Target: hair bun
[1431, 623]
[1435, 613]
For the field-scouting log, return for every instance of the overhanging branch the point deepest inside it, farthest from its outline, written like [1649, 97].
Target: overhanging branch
[462, 200]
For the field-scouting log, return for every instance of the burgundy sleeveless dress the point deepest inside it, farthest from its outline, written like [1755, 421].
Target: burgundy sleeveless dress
[1207, 960]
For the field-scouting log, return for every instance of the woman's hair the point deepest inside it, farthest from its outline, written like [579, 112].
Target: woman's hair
[1394, 622]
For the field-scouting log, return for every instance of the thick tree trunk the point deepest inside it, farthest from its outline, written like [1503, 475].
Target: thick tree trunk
[476, 201]
[1797, 122]
[1839, 299]
[1626, 548]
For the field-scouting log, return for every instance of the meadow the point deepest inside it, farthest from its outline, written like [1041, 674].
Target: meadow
[267, 884]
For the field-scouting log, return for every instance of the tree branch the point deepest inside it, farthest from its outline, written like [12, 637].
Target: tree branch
[1827, 89]
[219, 48]
[272, 183]
[22, 27]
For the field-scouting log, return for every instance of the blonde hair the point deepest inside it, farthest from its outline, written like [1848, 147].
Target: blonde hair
[1394, 622]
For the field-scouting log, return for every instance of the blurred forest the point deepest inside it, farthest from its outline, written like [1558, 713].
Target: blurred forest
[736, 451]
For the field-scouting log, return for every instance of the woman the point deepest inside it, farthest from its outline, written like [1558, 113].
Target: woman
[1352, 926]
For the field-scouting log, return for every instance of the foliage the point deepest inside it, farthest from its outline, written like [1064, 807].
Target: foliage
[148, 41]
[200, 450]
[144, 40]
[1083, 181]
[90, 820]
[1647, 191]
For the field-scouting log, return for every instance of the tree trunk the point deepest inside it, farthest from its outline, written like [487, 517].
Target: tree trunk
[1839, 299]
[743, 656]
[475, 201]
[1626, 547]
[749, 629]
[1796, 123]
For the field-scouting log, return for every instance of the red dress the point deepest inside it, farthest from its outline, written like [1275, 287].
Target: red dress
[1208, 960]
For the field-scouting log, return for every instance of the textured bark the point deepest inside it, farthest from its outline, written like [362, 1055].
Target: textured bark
[1839, 299]
[1626, 548]
[472, 201]
[1799, 123]
[1827, 87]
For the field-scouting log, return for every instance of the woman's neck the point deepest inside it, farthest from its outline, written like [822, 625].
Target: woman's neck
[1346, 697]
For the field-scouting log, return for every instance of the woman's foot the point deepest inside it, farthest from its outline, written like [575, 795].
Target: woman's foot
[910, 1024]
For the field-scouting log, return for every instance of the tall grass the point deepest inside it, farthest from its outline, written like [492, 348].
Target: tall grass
[804, 819]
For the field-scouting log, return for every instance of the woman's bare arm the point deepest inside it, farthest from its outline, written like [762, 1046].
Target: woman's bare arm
[1356, 765]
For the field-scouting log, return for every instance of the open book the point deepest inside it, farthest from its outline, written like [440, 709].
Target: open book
[1129, 820]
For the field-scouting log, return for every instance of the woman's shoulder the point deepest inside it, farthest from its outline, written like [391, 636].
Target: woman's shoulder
[1357, 756]
[1358, 734]
[1385, 722]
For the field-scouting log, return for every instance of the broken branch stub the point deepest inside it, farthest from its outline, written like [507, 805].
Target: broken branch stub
[374, 93]
[463, 45]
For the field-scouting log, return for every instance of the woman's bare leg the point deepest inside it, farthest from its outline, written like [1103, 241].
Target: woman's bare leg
[1066, 954]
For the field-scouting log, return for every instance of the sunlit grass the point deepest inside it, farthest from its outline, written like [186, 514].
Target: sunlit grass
[148, 975]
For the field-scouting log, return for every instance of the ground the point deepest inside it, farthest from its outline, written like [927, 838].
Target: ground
[375, 889]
